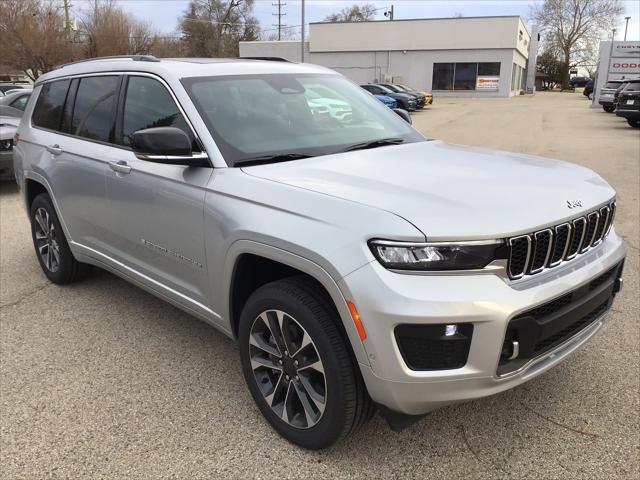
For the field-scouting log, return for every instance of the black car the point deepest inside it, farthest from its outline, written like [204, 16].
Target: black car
[578, 81]
[420, 99]
[588, 89]
[405, 101]
[626, 84]
[628, 105]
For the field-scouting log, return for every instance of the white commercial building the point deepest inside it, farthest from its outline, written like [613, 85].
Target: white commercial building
[466, 56]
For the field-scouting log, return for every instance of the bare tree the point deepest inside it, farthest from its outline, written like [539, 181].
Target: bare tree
[354, 13]
[32, 37]
[573, 29]
[109, 30]
[167, 47]
[213, 28]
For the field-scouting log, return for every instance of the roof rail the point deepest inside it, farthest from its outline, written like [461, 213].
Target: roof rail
[269, 59]
[135, 58]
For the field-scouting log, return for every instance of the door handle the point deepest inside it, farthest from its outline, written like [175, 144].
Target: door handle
[120, 167]
[54, 149]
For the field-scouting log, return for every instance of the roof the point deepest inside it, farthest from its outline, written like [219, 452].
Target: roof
[179, 67]
[423, 19]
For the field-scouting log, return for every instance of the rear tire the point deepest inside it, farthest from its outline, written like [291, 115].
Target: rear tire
[608, 108]
[312, 395]
[52, 250]
[635, 123]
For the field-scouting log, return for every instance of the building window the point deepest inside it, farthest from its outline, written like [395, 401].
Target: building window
[466, 76]
[443, 76]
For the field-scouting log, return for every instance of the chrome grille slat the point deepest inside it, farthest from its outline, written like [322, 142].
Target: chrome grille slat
[562, 239]
[535, 252]
[517, 266]
[542, 249]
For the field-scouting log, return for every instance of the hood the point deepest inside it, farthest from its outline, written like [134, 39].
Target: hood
[450, 192]
[8, 126]
[384, 98]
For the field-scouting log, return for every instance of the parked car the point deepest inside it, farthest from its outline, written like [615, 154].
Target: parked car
[9, 121]
[628, 105]
[607, 94]
[588, 89]
[420, 99]
[578, 81]
[356, 263]
[5, 86]
[17, 99]
[428, 96]
[623, 86]
[388, 101]
[404, 100]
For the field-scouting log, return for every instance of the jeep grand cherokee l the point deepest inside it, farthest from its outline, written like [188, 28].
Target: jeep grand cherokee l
[358, 265]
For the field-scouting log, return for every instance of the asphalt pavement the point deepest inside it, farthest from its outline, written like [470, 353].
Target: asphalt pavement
[102, 380]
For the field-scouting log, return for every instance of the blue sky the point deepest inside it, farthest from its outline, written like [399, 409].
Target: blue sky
[164, 14]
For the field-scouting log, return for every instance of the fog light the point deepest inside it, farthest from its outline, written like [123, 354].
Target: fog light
[450, 330]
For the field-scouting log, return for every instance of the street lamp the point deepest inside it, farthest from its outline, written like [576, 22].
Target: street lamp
[626, 26]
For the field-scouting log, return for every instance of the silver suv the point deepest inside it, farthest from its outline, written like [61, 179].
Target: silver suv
[358, 265]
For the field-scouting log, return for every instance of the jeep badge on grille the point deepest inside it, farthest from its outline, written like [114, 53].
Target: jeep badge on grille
[574, 203]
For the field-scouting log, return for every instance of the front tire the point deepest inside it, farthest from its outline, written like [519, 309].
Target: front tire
[52, 250]
[635, 123]
[608, 108]
[298, 367]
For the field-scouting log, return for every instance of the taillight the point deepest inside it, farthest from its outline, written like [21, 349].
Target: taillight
[16, 139]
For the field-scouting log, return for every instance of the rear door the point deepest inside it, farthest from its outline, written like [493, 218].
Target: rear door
[73, 121]
[157, 209]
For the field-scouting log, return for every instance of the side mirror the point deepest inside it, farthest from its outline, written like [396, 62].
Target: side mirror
[166, 145]
[162, 141]
[403, 114]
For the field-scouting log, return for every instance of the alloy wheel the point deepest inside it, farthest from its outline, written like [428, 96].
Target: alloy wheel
[288, 369]
[46, 240]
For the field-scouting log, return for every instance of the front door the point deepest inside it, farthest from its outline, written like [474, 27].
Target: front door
[157, 209]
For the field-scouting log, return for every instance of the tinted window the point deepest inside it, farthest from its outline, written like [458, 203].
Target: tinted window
[94, 110]
[20, 103]
[632, 86]
[465, 77]
[491, 69]
[443, 76]
[48, 109]
[612, 84]
[148, 104]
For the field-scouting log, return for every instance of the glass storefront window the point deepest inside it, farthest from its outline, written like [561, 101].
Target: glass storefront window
[466, 76]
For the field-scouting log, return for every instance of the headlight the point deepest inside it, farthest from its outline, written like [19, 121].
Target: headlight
[436, 256]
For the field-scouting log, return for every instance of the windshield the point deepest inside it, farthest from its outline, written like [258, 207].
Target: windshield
[291, 116]
[612, 85]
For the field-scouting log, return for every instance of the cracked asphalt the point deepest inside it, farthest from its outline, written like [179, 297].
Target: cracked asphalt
[102, 380]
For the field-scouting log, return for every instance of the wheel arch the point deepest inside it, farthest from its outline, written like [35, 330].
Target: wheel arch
[246, 256]
[34, 185]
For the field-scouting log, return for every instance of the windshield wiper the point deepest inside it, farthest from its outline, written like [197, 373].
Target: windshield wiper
[374, 144]
[283, 157]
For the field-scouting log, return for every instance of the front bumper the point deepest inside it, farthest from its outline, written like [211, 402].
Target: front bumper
[386, 299]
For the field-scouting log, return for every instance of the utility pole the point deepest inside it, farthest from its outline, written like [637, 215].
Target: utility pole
[279, 15]
[302, 37]
[67, 22]
[626, 26]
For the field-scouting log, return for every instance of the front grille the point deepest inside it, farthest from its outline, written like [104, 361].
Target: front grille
[547, 326]
[532, 253]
